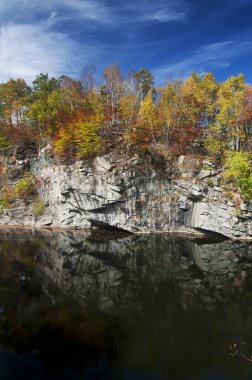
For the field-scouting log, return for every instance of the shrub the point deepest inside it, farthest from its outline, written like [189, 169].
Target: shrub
[8, 198]
[25, 186]
[238, 172]
[38, 208]
[3, 142]
[4, 204]
[210, 182]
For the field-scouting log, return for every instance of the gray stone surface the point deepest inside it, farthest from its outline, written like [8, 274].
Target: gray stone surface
[124, 195]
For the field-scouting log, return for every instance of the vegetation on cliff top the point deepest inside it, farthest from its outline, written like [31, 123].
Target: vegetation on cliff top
[81, 118]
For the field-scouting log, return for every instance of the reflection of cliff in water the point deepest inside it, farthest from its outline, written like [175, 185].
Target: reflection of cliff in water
[145, 305]
[128, 270]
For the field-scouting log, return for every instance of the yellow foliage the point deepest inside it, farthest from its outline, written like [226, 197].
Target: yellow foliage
[129, 109]
[148, 114]
[230, 108]
[65, 138]
[87, 139]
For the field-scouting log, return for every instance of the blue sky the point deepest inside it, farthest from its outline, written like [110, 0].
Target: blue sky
[169, 37]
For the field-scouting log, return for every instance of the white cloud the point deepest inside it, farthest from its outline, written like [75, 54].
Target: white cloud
[27, 50]
[160, 11]
[88, 9]
[92, 10]
[30, 43]
[208, 57]
[165, 15]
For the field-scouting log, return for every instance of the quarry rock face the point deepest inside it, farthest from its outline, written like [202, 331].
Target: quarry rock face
[120, 194]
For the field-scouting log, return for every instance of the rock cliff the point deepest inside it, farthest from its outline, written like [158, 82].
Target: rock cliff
[120, 193]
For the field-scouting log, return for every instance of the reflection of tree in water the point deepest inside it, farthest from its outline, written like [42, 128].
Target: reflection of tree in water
[17, 258]
[150, 304]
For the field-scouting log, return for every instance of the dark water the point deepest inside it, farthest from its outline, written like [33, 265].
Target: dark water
[103, 306]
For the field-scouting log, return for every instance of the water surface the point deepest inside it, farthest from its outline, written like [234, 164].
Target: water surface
[89, 305]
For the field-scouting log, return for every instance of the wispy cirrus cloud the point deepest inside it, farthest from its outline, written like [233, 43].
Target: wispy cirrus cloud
[31, 42]
[96, 10]
[93, 10]
[207, 58]
[164, 11]
[27, 50]
[87, 9]
[57, 36]
[161, 11]
[61, 36]
[166, 16]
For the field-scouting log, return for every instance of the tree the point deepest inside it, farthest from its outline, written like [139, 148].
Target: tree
[79, 134]
[179, 110]
[13, 101]
[238, 171]
[55, 102]
[87, 139]
[215, 143]
[209, 86]
[111, 93]
[145, 129]
[129, 108]
[230, 100]
[144, 82]
[246, 117]
[88, 79]
[40, 112]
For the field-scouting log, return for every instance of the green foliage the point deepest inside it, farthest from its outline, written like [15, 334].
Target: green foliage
[4, 204]
[238, 171]
[144, 82]
[214, 143]
[44, 100]
[210, 182]
[25, 186]
[38, 208]
[3, 142]
[13, 101]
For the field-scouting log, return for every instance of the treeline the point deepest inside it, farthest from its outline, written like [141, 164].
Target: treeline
[81, 117]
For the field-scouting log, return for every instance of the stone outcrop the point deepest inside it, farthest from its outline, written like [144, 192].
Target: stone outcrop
[122, 194]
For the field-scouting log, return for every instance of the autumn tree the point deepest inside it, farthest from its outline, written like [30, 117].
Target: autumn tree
[80, 119]
[145, 128]
[246, 118]
[55, 104]
[228, 129]
[79, 134]
[111, 92]
[168, 110]
[143, 82]
[13, 102]
[180, 111]
[238, 172]
[129, 108]
[44, 102]
[88, 79]
[209, 88]
[87, 139]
